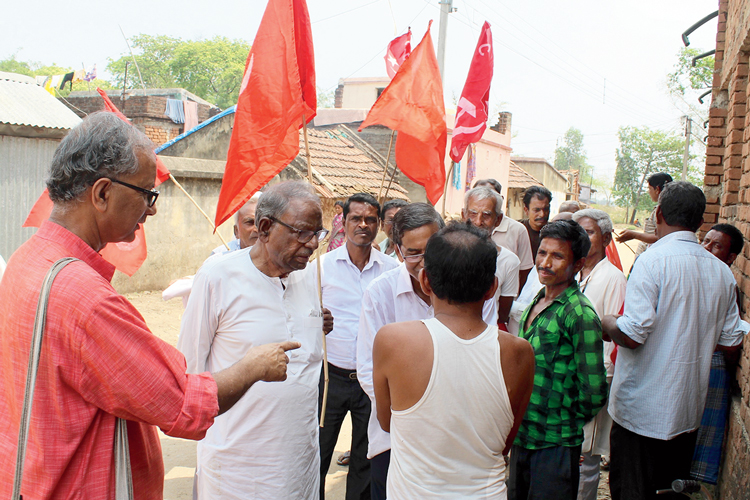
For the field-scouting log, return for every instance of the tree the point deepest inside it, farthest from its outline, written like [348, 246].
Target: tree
[571, 155]
[643, 152]
[326, 99]
[211, 69]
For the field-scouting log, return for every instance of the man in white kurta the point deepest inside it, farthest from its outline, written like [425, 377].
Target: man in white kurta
[604, 285]
[266, 446]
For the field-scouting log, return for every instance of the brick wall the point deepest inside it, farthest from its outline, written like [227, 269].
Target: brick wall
[145, 112]
[726, 182]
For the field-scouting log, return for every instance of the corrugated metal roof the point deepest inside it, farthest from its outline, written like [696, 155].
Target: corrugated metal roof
[518, 178]
[23, 102]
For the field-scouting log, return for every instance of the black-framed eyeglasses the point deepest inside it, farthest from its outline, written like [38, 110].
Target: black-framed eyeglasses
[303, 235]
[151, 194]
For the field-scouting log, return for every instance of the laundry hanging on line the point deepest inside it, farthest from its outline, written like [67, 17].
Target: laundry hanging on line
[175, 110]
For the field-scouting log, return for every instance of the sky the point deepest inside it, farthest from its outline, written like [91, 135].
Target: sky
[594, 65]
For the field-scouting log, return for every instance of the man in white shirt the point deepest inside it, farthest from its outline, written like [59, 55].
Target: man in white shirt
[387, 213]
[512, 235]
[346, 273]
[393, 297]
[245, 230]
[483, 209]
[680, 304]
[604, 285]
[266, 446]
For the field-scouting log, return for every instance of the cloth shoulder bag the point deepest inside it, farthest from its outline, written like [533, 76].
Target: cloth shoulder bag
[123, 474]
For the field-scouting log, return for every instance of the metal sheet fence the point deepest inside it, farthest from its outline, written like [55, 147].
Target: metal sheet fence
[24, 164]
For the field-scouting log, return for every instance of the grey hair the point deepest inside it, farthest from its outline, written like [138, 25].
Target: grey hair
[600, 216]
[413, 216]
[275, 200]
[102, 145]
[485, 193]
[252, 201]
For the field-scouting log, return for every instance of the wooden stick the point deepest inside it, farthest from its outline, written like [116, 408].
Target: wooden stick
[179, 186]
[385, 169]
[393, 175]
[445, 188]
[320, 287]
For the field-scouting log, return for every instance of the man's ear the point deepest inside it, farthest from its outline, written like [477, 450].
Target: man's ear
[730, 258]
[424, 282]
[463, 214]
[659, 216]
[236, 232]
[101, 193]
[606, 239]
[264, 226]
[579, 265]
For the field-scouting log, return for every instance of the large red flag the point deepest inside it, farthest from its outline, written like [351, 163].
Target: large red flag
[397, 52]
[413, 105]
[277, 93]
[472, 111]
[162, 173]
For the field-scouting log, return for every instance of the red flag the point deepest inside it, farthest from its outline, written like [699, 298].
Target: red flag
[278, 91]
[397, 52]
[413, 105]
[613, 255]
[472, 111]
[162, 172]
[126, 257]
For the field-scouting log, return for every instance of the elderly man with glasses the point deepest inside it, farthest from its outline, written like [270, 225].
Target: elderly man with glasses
[267, 446]
[483, 208]
[99, 361]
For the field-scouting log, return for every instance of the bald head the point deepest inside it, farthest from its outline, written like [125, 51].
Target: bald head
[571, 206]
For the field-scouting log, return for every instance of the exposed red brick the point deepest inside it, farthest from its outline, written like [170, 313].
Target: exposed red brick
[711, 180]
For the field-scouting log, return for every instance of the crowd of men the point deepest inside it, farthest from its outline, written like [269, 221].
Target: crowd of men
[485, 358]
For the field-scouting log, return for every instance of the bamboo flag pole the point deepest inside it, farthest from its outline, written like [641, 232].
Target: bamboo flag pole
[320, 287]
[385, 170]
[445, 188]
[179, 186]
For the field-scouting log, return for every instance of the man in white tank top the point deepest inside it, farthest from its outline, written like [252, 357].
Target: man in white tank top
[451, 390]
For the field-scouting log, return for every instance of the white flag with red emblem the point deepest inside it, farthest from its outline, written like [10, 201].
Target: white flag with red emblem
[398, 50]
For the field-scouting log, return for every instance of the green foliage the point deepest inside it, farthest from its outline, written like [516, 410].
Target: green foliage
[211, 69]
[12, 65]
[643, 152]
[685, 76]
[571, 155]
[326, 99]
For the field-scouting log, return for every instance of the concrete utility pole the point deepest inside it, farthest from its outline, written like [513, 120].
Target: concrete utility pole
[446, 7]
[686, 156]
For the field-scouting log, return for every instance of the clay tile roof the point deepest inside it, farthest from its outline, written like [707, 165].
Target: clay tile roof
[340, 167]
[518, 178]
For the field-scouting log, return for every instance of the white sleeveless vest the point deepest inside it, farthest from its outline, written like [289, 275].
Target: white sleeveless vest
[450, 443]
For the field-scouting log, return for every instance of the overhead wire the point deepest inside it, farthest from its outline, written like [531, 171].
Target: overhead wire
[592, 87]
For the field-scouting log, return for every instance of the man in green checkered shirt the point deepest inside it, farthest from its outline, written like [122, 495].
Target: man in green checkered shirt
[570, 383]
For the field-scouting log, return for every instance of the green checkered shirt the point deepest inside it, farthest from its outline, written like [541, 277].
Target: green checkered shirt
[570, 383]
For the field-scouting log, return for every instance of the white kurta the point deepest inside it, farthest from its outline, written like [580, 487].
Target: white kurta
[266, 446]
[605, 287]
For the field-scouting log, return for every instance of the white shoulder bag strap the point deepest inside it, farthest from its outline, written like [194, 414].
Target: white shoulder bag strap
[123, 485]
